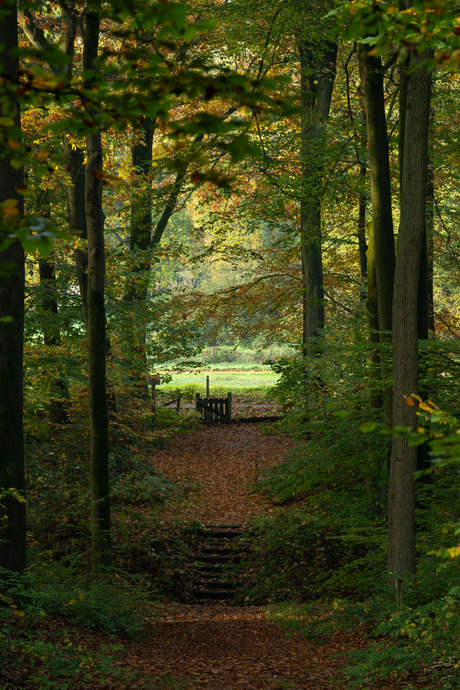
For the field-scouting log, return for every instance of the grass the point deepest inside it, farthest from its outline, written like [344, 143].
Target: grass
[228, 380]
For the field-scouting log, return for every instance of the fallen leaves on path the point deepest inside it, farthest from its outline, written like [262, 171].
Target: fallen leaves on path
[228, 648]
[224, 461]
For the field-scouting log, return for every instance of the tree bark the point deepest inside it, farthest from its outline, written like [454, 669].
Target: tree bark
[76, 215]
[401, 499]
[96, 340]
[13, 529]
[316, 95]
[376, 399]
[371, 74]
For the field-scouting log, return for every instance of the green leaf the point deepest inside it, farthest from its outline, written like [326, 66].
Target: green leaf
[6, 319]
[367, 427]
[342, 414]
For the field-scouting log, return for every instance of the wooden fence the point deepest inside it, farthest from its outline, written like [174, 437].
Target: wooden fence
[215, 410]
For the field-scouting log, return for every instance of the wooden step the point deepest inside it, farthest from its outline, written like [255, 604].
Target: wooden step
[212, 594]
[213, 584]
[209, 550]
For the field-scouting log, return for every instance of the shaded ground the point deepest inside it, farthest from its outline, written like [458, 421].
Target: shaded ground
[228, 648]
[224, 461]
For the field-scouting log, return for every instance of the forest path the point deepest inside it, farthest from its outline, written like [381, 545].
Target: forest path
[218, 647]
[223, 462]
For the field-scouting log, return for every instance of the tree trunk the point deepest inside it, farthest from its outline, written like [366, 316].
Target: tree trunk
[401, 500]
[98, 417]
[140, 241]
[362, 227]
[76, 216]
[376, 399]
[52, 337]
[13, 529]
[315, 107]
[371, 75]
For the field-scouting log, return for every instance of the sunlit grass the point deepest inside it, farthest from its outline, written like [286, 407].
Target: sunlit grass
[229, 380]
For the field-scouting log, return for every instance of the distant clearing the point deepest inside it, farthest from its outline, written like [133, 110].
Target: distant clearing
[232, 378]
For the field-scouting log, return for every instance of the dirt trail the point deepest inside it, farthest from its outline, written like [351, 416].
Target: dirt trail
[225, 461]
[228, 648]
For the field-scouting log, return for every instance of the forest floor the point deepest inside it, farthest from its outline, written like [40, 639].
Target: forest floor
[224, 647]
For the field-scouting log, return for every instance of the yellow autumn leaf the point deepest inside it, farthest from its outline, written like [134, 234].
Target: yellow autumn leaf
[9, 202]
[427, 408]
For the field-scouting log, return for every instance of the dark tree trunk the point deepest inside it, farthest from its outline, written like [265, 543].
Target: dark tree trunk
[96, 326]
[401, 499]
[141, 210]
[316, 95]
[371, 74]
[76, 216]
[362, 227]
[376, 398]
[47, 272]
[140, 241]
[13, 529]
[52, 337]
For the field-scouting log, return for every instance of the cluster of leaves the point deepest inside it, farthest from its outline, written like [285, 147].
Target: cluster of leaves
[39, 649]
[301, 556]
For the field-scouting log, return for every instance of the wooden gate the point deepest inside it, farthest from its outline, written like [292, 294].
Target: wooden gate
[215, 410]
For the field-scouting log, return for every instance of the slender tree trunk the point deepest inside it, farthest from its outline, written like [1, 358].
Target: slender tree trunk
[13, 528]
[376, 399]
[140, 241]
[76, 215]
[52, 338]
[362, 227]
[371, 74]
[99, 439]
[401, 500]
[315, 106]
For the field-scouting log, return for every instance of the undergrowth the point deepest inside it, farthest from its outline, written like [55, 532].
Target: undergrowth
[320, 562]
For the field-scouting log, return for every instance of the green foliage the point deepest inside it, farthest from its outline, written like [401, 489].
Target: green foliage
[52, 653]
[112, 604]
[424, 637]
[305, 556]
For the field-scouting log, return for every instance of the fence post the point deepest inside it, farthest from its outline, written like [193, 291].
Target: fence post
[154, 381]
[207, 386]
[229, 408]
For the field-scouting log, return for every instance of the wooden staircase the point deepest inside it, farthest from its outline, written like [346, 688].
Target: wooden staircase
[212, 549]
